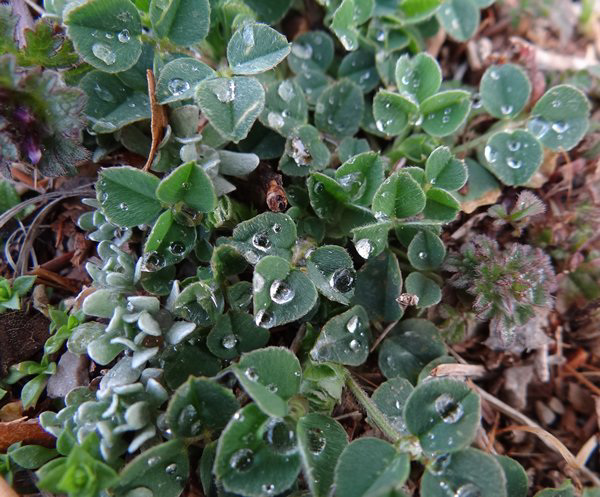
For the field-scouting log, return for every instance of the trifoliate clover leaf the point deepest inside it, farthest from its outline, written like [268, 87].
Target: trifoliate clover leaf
[505, 90]
[460, 18]
[183, 22]
[420, 75]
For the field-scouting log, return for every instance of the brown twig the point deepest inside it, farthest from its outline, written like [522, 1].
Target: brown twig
[158, 120]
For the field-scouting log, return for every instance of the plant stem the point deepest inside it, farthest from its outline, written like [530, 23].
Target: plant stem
[375, 415]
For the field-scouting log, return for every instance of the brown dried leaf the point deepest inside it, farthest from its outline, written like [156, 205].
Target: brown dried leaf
[158, 122]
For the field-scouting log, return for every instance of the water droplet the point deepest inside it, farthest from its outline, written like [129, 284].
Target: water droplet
[258, 282]
[495, 75]
[268, 488]
[342, 280]
[455, 24]
[560, 127]
[447, 111]
[229, 341]
[380, 35]
[104, 94]
[124, 36]
[263, 319]
[353, 324]
[514, 163]
[225, 91]
[354, 345]
[109, 36]
[316, 441]
[177, 248]
[490, 154]
[379, 125]
[248, 37]
[514, 146]
[468, 490]
[318, 188]
[153, 461]
[281, 292]
[276, 228]
[171, 469]
[251, 374]
[238, 416]
[286, 90]
[349, 43]
[271, 387]
[302, 51]
[177, 86]
[477, 103]
[445, 119]
[242, 460]
[449, 410]
[104, 53]
[506, 109]
[275, 120]
[261, 241]
[280, 436]
[556, 104]
[439, 464]
[539, 126]
[364, 248]
[422, 255]
[123, 206]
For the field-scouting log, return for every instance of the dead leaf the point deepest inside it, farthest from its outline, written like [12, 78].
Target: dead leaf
[158, 122]
[27, 431]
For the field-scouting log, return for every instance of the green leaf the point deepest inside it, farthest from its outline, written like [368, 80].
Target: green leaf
[444, 171]
[111, 105]
[331, 269]
[311, 51]
[370, 467]
[271, 376]
[426, 251]
[8, 196]
[425, 373]
[444, 414]
[268, 233]
[281, 294]
[560, 118]
[162, 469]
[427, 290]
[106, 33]
[517, 482]
[349, 147]
[235, 333]
[418, 10]
[189, 184]
[399, 196]
[420, 75]
[390, 397]
[441, 205]
[31, 391]
[408, 348]
[339, 109]
[256, 48]
[305, 152]
[22, 284]
[270, 11]
[344, 339]
[231, 104]
[285, 107]
[360, 176]
[378, 284]
[445, 112]
[359, 66]
[480, 186]
[460, 18]
[178, 79]
[344, 25]
[44, 47]
[183, 22]
[127, 196]
[168, 243]
[200, 404]
[371, 239]
[505, 90]
[321, 440]
[565, 490]
[393, 111]
[32, 456]
[466, 472]
[257, 455]
[513, 157]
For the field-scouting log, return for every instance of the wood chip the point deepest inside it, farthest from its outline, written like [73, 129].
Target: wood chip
[158, 122]
[471, 370]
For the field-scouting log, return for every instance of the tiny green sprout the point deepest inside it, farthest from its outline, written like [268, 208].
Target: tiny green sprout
[12, 292]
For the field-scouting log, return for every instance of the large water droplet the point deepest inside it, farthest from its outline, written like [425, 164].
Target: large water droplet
[490, 154]
[364, 248]
[539, 126]
[229, 342]
[258, 282]
[261, 241]
[353, 324]
[514, 163]
[124, 36]
[560, 126]
[354, 184]
[263, 319]
[495, 75]
[286, 90]
[248, 37]
[342, 280]
[225, 91]
[177, 248]
[187, 415]
[449, 410]
[242, 460]
[354, 345]
[316, 441]
[467, 490]
[251, 374]
[302, 51]
[439, 464]
[177, 86]
[349, 43]
[506, 109]
[104, 53]
[280, 436]
[281, 292]
[104, 94]
[275, 120]
[171, 469]
[514, 146]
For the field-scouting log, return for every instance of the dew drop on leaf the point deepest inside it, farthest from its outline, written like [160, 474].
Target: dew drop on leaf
[302, 51]
[263, 319]
[104, 53]
[539, 126]
[225, 91]
[490, 154]
[514, 163]
[514, 146]
[229, 341]
[449, 410]
[560, 127]
[104, 94]
[445, 119]
[281, 292]
[506, 109]
[178, 86]
[379, 125]
[153, 461]
[348, 42]
[439, 464]
[187, 415]
[176, 248]
[124, 36]
[495, 75]
[258, 282]
[353, 324]
[354, 345]
[422, 255]
[251, 374]
[342, 280]
[364, 248]
[242, 459]
[467, 490]
[171, 469]
[268, 488]
[380, 35]
[556, 103]
[276, 228]
[248, 37]
[279, 436]
[316, 441]
[261, 241]
[275, 120]
[271, 387]
[286, 90]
